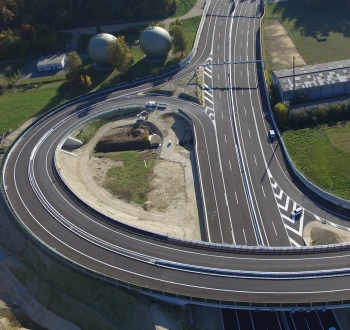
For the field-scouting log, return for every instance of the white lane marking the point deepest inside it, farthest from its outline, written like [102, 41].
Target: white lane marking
[208, 100]
[293, 242]
[222, 115]
[219, 33]
[236, 198]
[218, 47]
[245, 238]
[242, 91]
[229, 162]
[241, 73]
[218, 77]
[249, 134]
[245, 111]
[274, 228]
[279, 196]
[225, 138]
[220, 95]
[208, 93]
[205, 72]
[263, 191]
[256, 164]
[285, 207]
[248, 31]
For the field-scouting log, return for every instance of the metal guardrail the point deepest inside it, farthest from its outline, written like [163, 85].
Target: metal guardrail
[175, 240]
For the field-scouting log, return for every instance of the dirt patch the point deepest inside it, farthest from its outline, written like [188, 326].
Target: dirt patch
[133, 137]
[279, 47]
[171, 207]
[317, 233]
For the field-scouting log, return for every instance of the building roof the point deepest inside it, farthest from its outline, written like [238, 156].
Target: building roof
[51, 59]
[314, 75]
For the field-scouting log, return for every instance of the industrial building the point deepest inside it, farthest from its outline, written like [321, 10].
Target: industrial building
[313, 82]
[52, 62]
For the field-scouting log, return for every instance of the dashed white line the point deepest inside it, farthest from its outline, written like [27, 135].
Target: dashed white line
[245, 111]
[245, 238]
[222, 115]
[218, 47]
[236, 197]
[263, 191]
[241, 73]
[274, 227]
[225, 138]
[249, 133]
[229, 162]
[218, 77]
[255, 161]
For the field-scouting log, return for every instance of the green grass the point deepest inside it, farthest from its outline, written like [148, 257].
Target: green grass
[18, 106]
[43, 80]
[302, 23]
[328, 156]
[131, 181]
[15, 66]
[89, 130]
[183, 7]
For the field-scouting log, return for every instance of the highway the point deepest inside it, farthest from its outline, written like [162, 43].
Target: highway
[248, 196]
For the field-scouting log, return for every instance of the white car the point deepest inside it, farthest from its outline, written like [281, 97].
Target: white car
[272, 134]
[297, 211]
[151, 104]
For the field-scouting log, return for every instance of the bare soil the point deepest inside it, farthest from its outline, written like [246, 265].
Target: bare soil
[279, 47]
[171, 207]
[317, 233]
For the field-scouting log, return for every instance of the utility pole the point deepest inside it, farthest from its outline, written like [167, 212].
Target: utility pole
[293, 77]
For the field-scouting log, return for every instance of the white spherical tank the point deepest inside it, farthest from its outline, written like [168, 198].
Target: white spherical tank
[155, 42]
[98, 49]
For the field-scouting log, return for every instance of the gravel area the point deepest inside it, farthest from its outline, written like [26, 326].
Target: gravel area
[171, 206]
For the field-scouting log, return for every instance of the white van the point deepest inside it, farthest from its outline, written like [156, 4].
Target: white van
[272, 134]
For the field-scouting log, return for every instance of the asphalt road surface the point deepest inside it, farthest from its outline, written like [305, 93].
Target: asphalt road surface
[247, 190]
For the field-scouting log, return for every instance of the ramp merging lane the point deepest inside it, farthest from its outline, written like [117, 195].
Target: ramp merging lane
[249, 259]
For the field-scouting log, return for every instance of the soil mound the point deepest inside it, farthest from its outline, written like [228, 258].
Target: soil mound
[126, 138]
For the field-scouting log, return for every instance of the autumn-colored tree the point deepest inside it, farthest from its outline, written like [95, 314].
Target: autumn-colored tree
[179, 41]
[119, 55]
[281, 114]
[27, 31]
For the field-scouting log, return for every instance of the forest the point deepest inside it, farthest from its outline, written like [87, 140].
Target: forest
[31, 25]
[61, 14]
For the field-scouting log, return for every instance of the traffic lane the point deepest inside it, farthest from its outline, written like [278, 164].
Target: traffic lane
[269, 216]
[22, 171]
[266, 320]
[237, 203]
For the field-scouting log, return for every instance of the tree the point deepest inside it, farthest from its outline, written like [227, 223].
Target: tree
[119, 55]
[178, 22]
[75, 65]
[27, 31]
[179, 41]
[281, 114]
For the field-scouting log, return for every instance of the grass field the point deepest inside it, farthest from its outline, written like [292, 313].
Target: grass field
[131, 181]
[15, 68]
[18, 106]
[183, 7]
[304, 23]
[89, 130]
[328, 156]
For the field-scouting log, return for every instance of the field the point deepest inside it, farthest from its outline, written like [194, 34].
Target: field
[328, 156]
[18, 105]
[183, 7]
[303, 24]
[131, 181]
